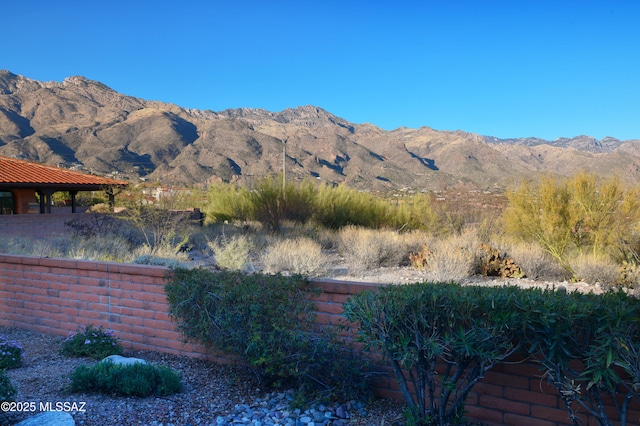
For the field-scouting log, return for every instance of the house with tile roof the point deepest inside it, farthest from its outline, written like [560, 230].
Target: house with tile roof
[27, 187]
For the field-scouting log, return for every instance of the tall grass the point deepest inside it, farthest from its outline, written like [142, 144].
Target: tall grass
[329, 207]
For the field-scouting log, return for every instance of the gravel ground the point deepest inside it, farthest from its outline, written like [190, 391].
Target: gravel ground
[212, 394]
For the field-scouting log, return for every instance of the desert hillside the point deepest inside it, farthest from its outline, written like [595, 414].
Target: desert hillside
[85, 125]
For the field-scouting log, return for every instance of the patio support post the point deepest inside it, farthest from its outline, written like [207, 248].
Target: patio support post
[73, 200]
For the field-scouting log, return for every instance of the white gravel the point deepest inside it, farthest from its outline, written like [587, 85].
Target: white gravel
[212, 394]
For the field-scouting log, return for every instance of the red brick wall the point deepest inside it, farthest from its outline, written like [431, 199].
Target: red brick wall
[38, 225]
[55, 296]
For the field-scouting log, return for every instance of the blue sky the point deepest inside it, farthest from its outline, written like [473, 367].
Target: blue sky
[502, 68]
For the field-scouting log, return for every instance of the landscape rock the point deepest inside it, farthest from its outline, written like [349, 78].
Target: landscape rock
[49, 418]
[122, 360]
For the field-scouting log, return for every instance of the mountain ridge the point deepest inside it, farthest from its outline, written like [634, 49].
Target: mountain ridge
[84, 124]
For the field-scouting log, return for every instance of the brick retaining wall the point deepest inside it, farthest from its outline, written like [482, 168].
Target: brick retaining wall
[55, 296]
[38, 226]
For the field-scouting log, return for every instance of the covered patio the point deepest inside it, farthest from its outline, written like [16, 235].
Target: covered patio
[27, 187]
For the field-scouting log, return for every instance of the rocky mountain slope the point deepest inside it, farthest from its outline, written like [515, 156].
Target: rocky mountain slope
[85, 125]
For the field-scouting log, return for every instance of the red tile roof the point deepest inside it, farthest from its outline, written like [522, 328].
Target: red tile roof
[13, 171]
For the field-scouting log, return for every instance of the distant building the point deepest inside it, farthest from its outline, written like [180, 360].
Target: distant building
[27, 187]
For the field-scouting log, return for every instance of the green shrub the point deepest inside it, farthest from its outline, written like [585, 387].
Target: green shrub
[91, 342]
[600, 332]
[7, 390]
[268, 322]
[227, 203]
[272, 204]
[341, 206]
[421, 326]
[128, 380]
[467, 330]
[11, 353]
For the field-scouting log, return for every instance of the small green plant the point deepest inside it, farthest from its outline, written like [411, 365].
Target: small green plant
[91, 342]
[7, 390]
[11, 353]
[128, 380]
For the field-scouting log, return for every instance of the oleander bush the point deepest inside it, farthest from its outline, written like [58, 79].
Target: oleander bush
[421, 326]
[91, 342]
[443, 336]
[600, 332]
[11, 353]
[136, 379]
[268, 322]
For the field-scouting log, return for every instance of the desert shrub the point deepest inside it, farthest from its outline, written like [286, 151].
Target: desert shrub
[108, 248]
[232, 253]
[298, 256]
[440, 338]
[227, 202]
[268, 322]
[577, 215]
[419, 259]
[11, 353]
[93, 224]
[536, 263]
[600, 270]
[413, 213]
[601, 332]
[91, 342]
[494, 262]
[271, 203]
[337, 207]
[136, 379]
[164, 225]
[418, 327]
[365, 249]
[168, 262]
[103, 208]
[29, 247]
[7, 391]
[455, 257]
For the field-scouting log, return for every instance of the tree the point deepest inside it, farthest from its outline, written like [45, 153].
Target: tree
[580, 214]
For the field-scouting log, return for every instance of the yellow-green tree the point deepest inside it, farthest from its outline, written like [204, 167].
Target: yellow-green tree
[540, 212]
[581, 214]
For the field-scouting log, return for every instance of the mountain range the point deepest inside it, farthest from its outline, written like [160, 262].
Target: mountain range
[83, 124]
